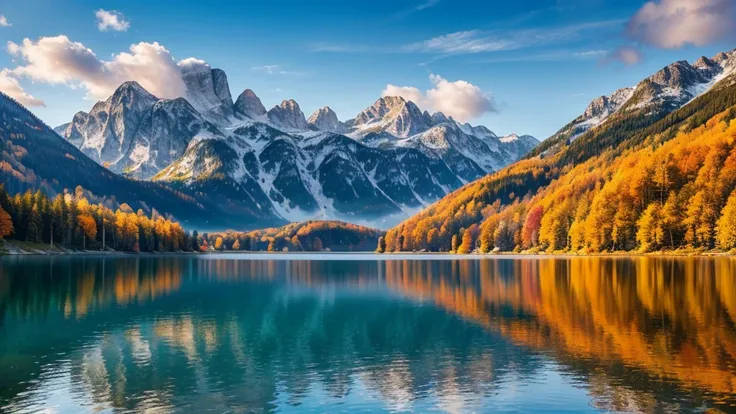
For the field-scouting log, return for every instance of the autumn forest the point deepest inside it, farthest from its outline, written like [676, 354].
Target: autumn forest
[670, 186]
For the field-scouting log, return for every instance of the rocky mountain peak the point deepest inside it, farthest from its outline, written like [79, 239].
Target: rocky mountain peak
[679, 75]
[250, 105]
[479, 131]
[130, 93]
[288, 115]
[704, 63]
[438, 118]
[325, 119]
[399, 117]
[381, 108]
[597, 107]
[207, 89]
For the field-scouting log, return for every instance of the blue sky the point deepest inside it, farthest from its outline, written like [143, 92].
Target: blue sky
[540, 61]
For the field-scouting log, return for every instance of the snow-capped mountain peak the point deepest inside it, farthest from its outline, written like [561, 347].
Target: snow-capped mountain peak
[392, 115]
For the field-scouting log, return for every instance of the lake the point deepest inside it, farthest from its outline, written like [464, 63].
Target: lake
[335, 333]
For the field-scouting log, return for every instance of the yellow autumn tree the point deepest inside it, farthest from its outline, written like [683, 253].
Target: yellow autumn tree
[88, 225]
[727, 224]
[650, 235]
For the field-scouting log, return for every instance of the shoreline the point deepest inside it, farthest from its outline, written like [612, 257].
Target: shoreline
[16, 249]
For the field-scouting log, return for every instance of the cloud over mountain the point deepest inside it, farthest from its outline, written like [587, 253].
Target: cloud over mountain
[58, 60]
[673, 24]
[10, 86]
[459, 99]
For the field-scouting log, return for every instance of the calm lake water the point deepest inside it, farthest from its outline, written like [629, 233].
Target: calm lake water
[245, 333]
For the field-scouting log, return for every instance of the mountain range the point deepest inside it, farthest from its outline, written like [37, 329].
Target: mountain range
[388, 162]
[235, 163]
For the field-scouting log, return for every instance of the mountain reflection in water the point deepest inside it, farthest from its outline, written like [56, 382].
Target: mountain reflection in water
[197, 333]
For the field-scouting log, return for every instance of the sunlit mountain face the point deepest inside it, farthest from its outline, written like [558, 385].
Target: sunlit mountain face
[185, 334]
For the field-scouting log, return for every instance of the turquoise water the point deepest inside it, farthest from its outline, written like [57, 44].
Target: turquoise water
[250, 333]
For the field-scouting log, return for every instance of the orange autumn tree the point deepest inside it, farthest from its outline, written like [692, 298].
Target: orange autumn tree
[6, 224]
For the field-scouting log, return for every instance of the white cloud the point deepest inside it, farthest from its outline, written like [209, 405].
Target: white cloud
[4, 21]
[478, 41]
[58, 60]
[10, 85]
[628, 55]
[459, 99]
[111, 20]
[472, 41]
[486, 41]
[675, 23]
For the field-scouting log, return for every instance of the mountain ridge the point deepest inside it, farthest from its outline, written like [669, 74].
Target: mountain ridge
[660, 93]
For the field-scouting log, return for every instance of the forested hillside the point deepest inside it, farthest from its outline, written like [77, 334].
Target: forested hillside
[310, 236]
[634, 183]
[70, 221]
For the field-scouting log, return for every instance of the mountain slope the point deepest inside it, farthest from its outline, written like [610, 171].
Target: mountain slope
[622, 185]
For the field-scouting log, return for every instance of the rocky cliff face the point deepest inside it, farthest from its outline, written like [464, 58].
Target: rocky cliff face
[207, 89]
